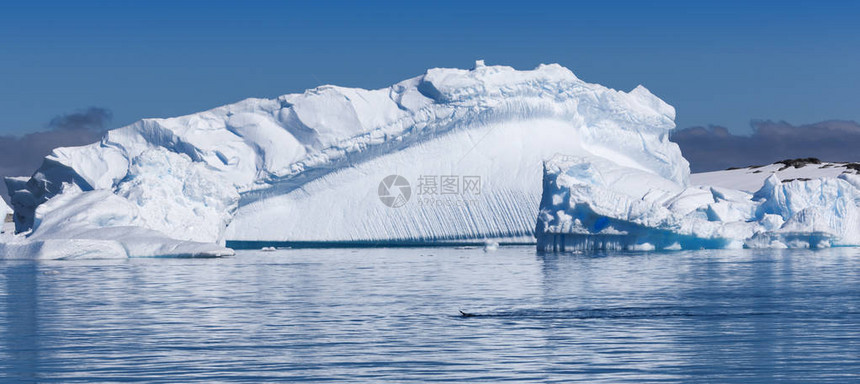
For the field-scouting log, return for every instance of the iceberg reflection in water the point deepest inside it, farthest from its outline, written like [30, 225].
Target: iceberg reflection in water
[392, 314]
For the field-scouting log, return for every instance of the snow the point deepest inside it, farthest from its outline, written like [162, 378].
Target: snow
[174, 195]
[751, 179]
[98, 224]
[307, 168]
[591, 204]
[492, 122]
[4, 208]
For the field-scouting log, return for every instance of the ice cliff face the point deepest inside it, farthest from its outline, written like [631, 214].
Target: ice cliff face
[5, 210]
[590, 204]
[308, 167]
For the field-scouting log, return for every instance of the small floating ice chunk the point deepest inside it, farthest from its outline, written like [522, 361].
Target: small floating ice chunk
[676, 246]
[491, 246]
[642, 247]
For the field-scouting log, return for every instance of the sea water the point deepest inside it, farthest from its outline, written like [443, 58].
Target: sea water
[394, 314]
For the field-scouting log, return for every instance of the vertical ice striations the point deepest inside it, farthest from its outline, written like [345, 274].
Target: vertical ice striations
[307, 167]
[494, 124]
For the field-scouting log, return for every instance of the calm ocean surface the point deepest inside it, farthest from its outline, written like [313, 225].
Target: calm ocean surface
[367, 315]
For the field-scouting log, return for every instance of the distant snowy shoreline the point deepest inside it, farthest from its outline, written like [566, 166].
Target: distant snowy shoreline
[751, 178]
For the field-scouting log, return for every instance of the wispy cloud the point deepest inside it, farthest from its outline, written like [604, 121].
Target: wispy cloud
[92, 119]
[21, 156]
[714, 147]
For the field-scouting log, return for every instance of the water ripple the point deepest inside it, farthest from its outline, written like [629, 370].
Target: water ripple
[377, 315]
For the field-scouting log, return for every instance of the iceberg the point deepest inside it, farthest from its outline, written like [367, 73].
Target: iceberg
[467, 147]
[591, 204]
[449, 156]
[130, 221]
[4, 208]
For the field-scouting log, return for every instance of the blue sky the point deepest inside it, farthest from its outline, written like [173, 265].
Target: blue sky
[720, 63]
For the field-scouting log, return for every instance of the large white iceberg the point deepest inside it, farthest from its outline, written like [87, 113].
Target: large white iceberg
[308, 167]
[449, 156]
